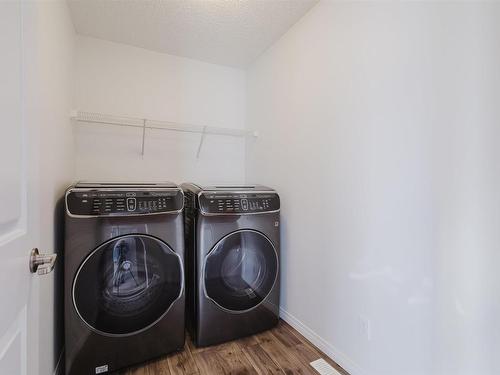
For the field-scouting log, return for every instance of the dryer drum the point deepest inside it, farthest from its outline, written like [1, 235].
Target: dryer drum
[241, 270]
[127, 284]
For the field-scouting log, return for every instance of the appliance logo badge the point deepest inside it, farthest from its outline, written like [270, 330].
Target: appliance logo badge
[101, 369]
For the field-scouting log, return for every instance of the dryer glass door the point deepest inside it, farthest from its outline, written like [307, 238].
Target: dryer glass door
[127, 284]
[241, 270]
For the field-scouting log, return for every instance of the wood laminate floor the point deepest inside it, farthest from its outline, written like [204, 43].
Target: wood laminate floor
[281, 350]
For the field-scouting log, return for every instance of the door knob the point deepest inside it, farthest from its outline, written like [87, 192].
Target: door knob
[42, 264]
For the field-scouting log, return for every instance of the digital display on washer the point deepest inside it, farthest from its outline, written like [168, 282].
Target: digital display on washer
[238, 203]
[123, 202]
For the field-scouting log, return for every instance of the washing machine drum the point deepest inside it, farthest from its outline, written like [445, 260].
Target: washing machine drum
[127, 284]
[241, 270]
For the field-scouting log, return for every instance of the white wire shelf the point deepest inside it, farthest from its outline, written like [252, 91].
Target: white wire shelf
[144, 124]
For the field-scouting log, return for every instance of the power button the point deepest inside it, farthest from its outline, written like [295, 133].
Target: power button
[131, 204]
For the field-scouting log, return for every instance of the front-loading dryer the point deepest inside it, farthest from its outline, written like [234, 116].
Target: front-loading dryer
[232, 261]
[124, 275]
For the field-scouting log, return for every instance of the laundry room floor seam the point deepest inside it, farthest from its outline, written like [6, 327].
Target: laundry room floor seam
[281, 350]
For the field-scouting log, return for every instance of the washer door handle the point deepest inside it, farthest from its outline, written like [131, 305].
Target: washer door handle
[42, 264]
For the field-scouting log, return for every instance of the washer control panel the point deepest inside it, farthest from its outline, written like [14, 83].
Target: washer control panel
[123, 202]
[238, 203]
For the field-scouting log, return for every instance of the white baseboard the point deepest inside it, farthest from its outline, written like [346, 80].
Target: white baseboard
[59, 368]
[344, 361]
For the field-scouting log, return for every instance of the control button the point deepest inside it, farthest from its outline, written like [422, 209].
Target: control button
[131, 204]
[244, 204]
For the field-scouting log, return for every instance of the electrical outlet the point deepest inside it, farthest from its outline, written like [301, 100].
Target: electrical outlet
[365, 327]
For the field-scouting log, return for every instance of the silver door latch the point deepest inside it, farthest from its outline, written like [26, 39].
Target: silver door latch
[42, 264]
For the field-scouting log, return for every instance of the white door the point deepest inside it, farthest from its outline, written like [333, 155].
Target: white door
[18, 206]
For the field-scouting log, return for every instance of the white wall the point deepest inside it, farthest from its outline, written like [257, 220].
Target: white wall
[123, 80]
[49, 41]
[379, 128]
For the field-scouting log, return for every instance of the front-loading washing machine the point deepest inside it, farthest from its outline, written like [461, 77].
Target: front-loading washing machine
[232, 261]
[124, 275]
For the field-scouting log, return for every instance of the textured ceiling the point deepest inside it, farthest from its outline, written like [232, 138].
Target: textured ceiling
[227, 32]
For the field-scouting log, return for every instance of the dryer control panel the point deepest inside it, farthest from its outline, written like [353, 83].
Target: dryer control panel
[83, 202]
[213, 203]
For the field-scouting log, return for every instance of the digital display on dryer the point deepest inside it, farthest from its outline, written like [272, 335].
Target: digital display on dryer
[238, 203]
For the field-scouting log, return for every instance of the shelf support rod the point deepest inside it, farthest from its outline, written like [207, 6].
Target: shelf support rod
[143, 136]
[202, 138]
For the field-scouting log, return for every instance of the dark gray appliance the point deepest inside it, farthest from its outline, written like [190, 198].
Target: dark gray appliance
[124, 275]
[232, 261]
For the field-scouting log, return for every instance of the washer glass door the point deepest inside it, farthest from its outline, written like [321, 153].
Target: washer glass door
[127, 284]
[241, 270]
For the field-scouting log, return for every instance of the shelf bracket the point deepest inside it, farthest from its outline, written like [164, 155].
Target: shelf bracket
[143, 136]
[202, 138]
